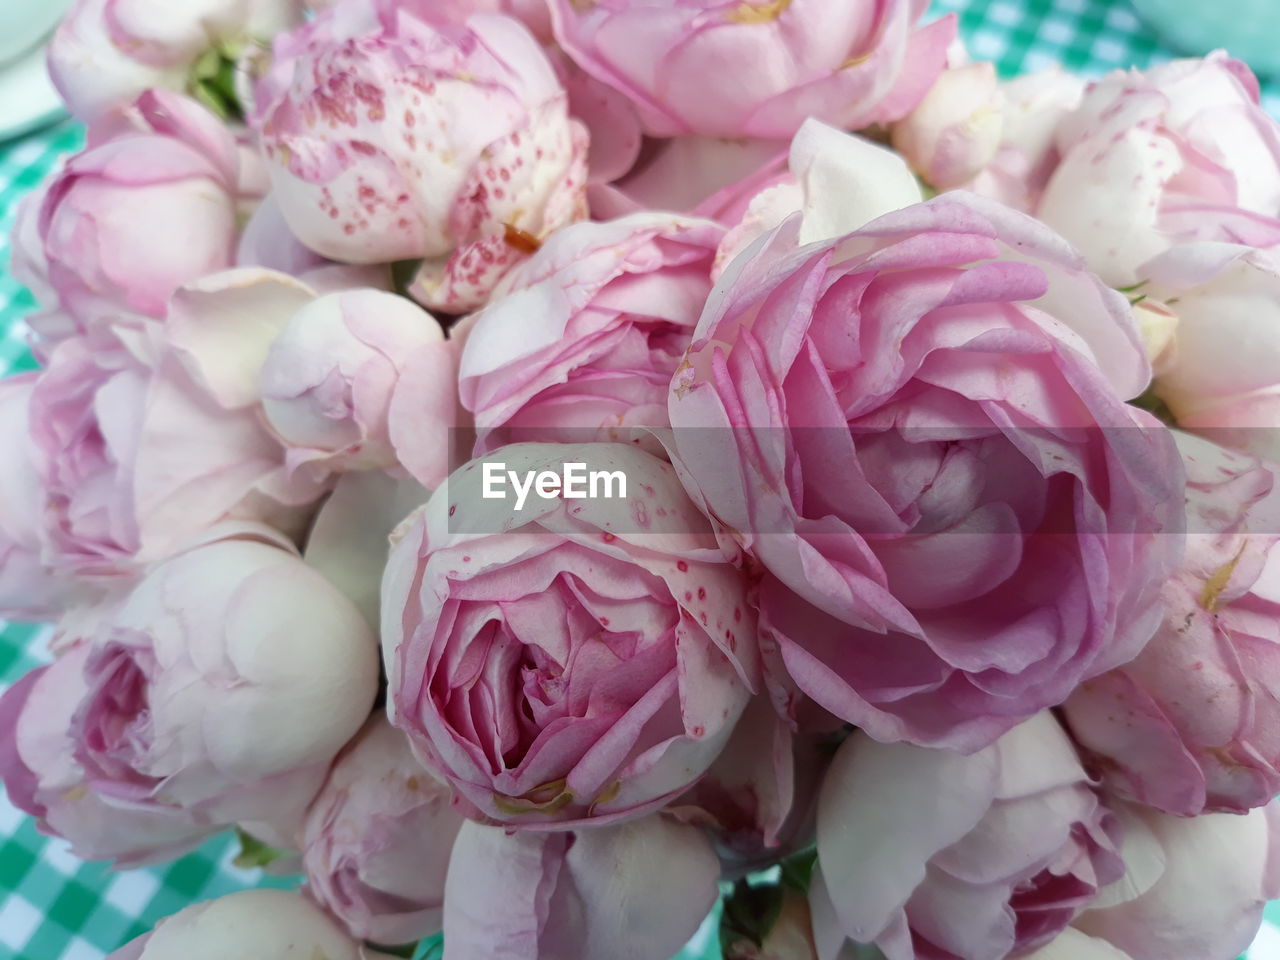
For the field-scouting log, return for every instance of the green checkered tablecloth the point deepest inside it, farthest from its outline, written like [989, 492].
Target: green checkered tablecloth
[52, 906]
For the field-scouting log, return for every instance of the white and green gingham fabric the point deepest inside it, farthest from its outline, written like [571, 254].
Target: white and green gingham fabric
[53, 906]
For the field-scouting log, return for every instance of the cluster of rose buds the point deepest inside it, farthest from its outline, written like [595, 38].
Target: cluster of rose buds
[526, 464]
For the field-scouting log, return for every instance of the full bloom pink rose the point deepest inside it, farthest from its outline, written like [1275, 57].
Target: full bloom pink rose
[727, 68]
[391, 138]
[572, 660]
[157, 717]
[137, 214]
[956, 129]
[1193, 724]
[106, 52]
[330, 376]
[135, 455]
[376, 840]
[998, 534]
[589, 331]
[1194, 889]
[636, 891]
[28, 589]
[267, 924]
[931, 855]
[1220, 374]
[1143, 147]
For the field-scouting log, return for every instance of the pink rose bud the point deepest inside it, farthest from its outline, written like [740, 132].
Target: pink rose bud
[108, 51]
[899, 357]
[29, 590]
[637, 890]
[757, 68]
[1145, 148]
[359, 119]
[1034, 105]
[588, 332]
[928, 853]
[328, 380]
[955, 130]
[137, 214]
[565, 627]
[376, 840]
[265, 924]
[1190, 725]
[137, 720]
[1220, 375]
[1195, 887]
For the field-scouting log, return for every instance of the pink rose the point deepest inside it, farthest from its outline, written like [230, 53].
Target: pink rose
[956, 129]
[28, 589]
[1193, 724]
[376, 840]
[136, 455]
[1144, 147]
[1194, 889]
[726, 68]
[137, 214]
[359, 119]
[636, 891]
[148, 734]
[330, 376]
[589, 331]
[1220, 372]
[268, 924]
[106, 52]
[932, 855]
[565, 661]
[929, 361]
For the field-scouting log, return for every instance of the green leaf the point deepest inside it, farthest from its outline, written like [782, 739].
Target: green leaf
[749, 914]
[212, 82]
[797, 870]
[255, 853]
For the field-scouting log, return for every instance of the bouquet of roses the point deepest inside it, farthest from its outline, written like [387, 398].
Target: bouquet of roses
[541, 470]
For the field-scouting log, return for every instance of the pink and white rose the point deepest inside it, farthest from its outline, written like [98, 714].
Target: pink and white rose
[377, 838]
[1193, 723]
[588, 333]
[329, 379]
[149, 205]
[962, 375]
[1194, 887]
[135, 454]
[932, 855]
[1148, 156]
[572, 661]
[389, 137]
[634, 891]
[725, 68]
[147, 735]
